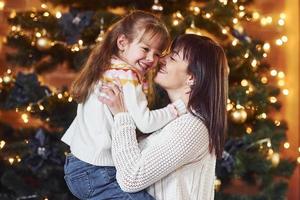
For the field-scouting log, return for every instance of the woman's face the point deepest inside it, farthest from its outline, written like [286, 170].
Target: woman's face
[173, 72]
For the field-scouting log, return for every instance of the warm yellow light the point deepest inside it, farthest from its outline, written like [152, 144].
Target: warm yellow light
[234, 1]
[28, 108]
[267, 47]
[299, 149]
[265, 55]
[196, 10]
[70, 99]
[175, 22]
[254, 63]
[281, 74]
[284, 38]
[11, 160]
[208, 15]
[277, 122]
[263, 21]
[270, 152]
[8, 71]
[285, 92]
[32, 15]
[262, 116]
[235, 20]
[281, 83]
[58, 14]
[269, 20]
[286, 145]
[244, 83]
[13, 14]
[234, 42]
[241, 7]
[2, 144]
[264, 80]
[44, 6]
[25, 118]
[246, 55]
[224, 31]
[223, 1]
[298, 160]
[282, 15]
[242, 14]
[38, 34]
[281, 22]
[249, 130]
[255, 15]
[269, 144]
[273, 99]
[2, 5]
[273, 72]
[6, 79]
[279, 42]
[229, 106]
[59, 96]
[41, 107]
[46, 14]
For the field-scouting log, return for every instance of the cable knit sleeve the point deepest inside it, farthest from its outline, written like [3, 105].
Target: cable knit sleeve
[136, 103]
[181, 141]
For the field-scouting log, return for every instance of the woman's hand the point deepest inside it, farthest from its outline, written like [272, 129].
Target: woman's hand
[112, 96]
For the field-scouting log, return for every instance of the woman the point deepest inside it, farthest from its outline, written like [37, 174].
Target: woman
[177, 162]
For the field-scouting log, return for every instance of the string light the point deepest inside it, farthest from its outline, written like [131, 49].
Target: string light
[2, 144]
[264, 80]
[249, 130]
[281, 74]
[281, 83]
[58, 15]
[267, 47]
[277, 122]
[285, 92]
[286, 145]
[273, 99]
[273, 72]
[2, 5]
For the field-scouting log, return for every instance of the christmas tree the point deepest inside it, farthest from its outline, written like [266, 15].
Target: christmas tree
[63, 32]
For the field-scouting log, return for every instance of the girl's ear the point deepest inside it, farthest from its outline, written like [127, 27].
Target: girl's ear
[122, 42]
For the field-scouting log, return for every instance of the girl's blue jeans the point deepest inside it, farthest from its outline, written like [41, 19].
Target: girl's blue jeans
[86, 181]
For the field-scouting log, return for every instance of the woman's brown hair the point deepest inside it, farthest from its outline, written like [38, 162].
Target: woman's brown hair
[208, 98]
[99, 59]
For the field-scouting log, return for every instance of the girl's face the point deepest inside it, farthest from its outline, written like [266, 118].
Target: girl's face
[140, 54]
[173, 72]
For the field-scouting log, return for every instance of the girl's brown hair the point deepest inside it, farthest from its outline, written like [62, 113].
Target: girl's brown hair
[208, 98]
[99, 60]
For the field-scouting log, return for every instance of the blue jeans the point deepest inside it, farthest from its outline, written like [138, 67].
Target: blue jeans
[91, 182]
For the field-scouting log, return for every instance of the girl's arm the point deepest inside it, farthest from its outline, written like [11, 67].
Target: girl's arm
[147, 120]
[181, 141]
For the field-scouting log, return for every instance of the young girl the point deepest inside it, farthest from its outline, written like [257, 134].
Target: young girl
[131, 47]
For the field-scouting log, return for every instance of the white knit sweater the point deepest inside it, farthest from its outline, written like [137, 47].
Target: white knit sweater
[89, 135]
[175, 161]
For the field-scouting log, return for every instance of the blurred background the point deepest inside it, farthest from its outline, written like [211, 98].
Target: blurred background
[43, 44]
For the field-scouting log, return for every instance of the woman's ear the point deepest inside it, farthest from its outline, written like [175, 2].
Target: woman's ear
[190, 80]
[122, 42]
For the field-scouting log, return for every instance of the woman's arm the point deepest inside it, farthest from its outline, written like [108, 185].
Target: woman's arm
[182, 141]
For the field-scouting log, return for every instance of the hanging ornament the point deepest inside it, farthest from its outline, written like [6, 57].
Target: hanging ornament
[238, 115]
[193, 29]
[43, 43]
[101, 34]
[157, 7]
[177, 18]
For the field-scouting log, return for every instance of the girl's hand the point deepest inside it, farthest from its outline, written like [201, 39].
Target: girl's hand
[112, 96]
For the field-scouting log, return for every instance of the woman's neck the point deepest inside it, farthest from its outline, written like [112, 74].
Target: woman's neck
[175, 95]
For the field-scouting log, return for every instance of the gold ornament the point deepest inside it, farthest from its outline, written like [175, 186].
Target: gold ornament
[43, 43]
[217, 184]
[238, 115]
[275, 159]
